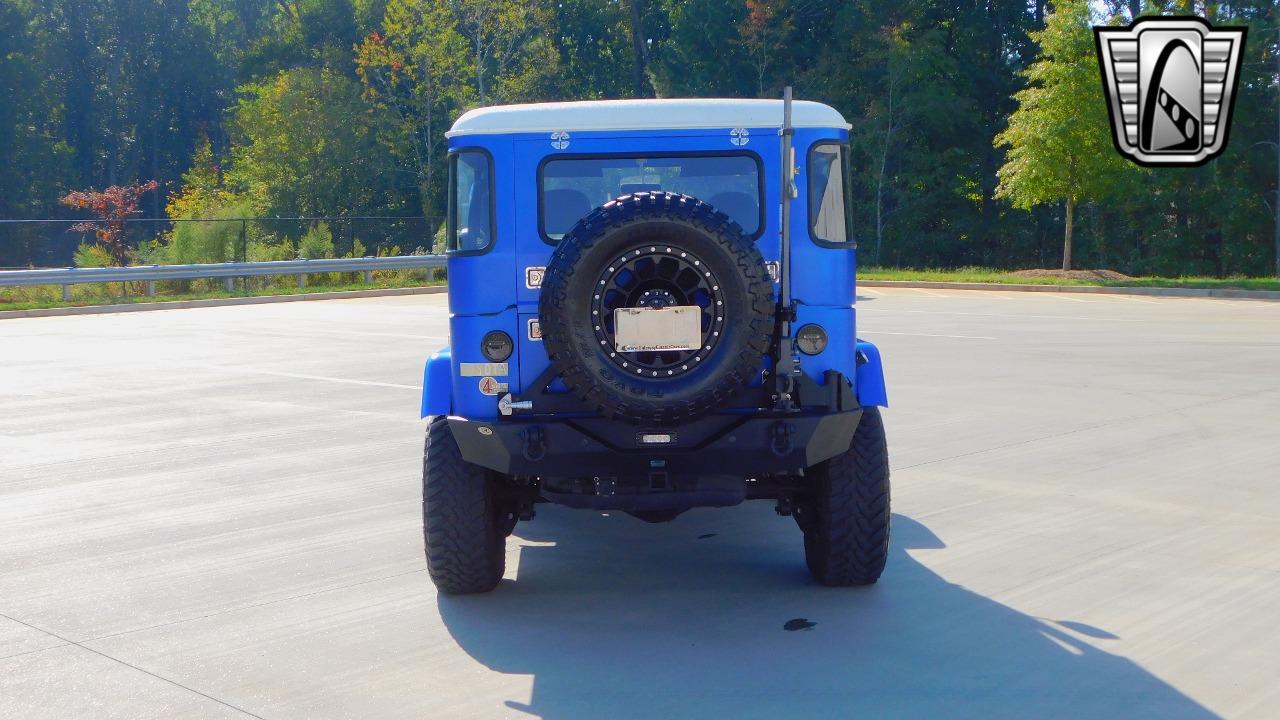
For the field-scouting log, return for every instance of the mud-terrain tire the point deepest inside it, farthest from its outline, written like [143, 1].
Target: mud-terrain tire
[673, 233]
[462, 520]
[846, 516]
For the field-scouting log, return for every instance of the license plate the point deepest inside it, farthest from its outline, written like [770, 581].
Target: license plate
[657, 329]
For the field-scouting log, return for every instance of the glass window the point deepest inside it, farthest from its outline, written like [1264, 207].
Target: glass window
[828, 194]
[573, 187]
[470, 202]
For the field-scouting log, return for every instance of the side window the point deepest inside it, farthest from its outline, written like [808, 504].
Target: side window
[829, 220]
[470, 202]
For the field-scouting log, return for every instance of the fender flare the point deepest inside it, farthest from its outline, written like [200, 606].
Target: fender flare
[437, 384]
[869, 383]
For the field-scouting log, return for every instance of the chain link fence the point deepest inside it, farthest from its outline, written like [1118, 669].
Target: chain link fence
[164, 241]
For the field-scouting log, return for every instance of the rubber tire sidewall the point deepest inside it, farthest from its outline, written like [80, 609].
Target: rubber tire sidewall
[462, 534]
[846, 518]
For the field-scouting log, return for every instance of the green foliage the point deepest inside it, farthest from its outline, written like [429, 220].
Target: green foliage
[972, 123]
[596, 55]
[415, 77]
[440, 240]
[703, 55]
[258, 251]
[316, 243]
[992, 275]
[213, 241]
[1059, 138]
[304, 147]
[92, 255]
[202, 190]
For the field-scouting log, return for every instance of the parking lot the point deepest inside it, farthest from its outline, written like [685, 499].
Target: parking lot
[215, 513]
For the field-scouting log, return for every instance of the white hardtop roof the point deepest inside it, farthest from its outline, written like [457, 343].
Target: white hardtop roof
[684, 114]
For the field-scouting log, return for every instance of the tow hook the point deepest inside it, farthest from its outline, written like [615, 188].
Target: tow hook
[535, 446]
[506, 405]
[782, 444]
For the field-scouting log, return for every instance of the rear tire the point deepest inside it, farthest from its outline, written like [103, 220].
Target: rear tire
[846, 516]
[462, 520]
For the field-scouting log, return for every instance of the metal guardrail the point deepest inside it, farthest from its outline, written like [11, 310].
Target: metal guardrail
[151, 274]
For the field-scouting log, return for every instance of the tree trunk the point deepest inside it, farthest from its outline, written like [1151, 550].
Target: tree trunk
[884, 159]
[1277, 203]
[479, 53]
[638, 49]
[1066, 240]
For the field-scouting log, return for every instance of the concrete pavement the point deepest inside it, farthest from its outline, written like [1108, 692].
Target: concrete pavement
[215, 513]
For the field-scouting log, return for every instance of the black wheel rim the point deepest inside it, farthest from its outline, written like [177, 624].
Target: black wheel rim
[658, 275]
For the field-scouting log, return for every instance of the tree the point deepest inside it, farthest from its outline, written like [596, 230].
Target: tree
[202, 189]
[304, 146]
[703, 54]
[639, 48]
[510, 51]
[414, 74]
[597, 43]
[1059, 137]
[765, 32]
[113, 206]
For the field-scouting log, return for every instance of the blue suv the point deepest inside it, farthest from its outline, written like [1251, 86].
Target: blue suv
[633, 329]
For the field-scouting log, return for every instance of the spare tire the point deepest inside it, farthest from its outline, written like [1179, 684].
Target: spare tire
[656, 249]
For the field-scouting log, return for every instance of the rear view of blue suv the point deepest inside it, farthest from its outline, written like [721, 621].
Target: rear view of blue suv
[651, 310]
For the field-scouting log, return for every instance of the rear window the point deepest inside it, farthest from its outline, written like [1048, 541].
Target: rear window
[572, 187]
[470, 202]
[829, 219]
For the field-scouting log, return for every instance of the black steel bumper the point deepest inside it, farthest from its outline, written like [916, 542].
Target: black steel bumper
[746, 445]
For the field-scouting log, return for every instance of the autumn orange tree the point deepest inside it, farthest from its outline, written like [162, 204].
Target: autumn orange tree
[112, 206]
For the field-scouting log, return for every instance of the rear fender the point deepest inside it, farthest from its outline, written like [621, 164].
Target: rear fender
[869, 384]
[437, 385]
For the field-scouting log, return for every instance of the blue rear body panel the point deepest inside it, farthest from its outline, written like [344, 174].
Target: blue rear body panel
[488, 291]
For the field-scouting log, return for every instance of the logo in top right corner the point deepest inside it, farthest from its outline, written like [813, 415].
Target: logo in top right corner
[1170, 84]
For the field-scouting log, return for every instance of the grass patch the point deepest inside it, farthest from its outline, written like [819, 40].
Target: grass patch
[39, 298]
[988, 275]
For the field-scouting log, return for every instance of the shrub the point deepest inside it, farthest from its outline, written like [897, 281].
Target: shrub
[213, 241]
[317, 243]
[91, 255]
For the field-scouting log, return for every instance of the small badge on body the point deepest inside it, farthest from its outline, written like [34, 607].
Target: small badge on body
[491, 386]
[470, 369]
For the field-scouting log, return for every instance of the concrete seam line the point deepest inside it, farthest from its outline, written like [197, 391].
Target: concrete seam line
[218, 302]
[72, 643]
[1084, 289]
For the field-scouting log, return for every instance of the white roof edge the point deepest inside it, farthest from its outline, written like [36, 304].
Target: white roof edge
[623, 115]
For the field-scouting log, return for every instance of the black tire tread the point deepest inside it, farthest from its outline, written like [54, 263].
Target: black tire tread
[847, 540]
[465, 549]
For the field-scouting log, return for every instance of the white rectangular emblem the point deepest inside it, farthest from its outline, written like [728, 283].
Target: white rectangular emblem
[653, 329]
[482, 369]
[533, 277]
[535, 330]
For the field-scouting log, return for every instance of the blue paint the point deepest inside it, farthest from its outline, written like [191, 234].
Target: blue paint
[436, 380]
[489, 290]
[870, 379]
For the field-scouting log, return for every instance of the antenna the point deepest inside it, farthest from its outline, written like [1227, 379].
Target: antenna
[786, 364]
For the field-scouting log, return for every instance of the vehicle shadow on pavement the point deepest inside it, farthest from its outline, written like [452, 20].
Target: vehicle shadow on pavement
[714, 615]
